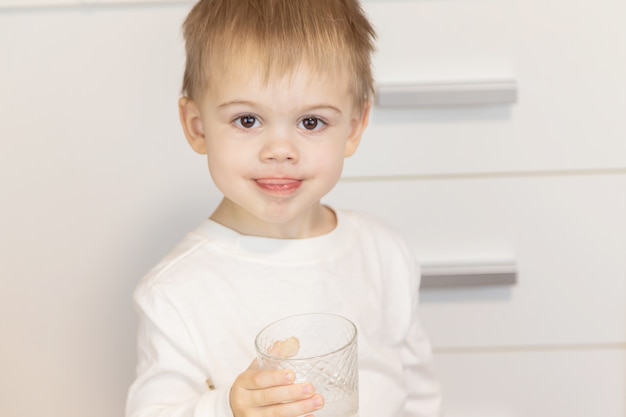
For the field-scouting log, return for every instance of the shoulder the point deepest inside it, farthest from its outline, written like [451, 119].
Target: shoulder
[185, 263]
[377, 238]
[370, 227]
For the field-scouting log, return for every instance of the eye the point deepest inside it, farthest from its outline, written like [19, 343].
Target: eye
[247, 122]
[312, 123]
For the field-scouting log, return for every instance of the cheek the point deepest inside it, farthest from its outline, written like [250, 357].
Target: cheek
[222, 164]
[330, 162]
[223, 152]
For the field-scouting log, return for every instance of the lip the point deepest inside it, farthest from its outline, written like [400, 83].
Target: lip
[278, 186]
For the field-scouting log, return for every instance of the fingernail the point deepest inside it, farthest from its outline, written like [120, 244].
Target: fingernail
[308, 389]
[318, 401]
[290, 376]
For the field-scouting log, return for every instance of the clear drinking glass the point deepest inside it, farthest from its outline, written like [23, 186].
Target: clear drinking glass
[321, 349]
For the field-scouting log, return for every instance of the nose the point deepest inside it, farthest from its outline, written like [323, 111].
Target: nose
[279, 147]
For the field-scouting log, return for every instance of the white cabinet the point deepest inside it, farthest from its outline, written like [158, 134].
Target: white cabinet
[569, 112]
[572, 383]
[567, 235]
[553, 344]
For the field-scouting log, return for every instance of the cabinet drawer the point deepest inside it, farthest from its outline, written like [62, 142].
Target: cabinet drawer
[566, 234]
[569, 111]
[529, 384]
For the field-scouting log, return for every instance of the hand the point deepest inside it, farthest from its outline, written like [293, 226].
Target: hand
[272, 393]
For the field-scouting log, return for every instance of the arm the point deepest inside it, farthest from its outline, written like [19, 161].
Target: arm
[424, 392]
[171, 381]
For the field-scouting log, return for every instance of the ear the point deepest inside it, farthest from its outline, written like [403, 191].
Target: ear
[191, 121]
[359, 123]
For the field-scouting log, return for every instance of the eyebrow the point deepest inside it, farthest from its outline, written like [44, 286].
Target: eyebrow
[305, 109]
[237, 103]
[323, 107]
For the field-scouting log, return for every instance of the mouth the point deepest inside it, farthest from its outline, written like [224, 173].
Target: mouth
[278, 186]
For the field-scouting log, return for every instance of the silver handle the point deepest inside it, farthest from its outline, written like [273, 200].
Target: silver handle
[462, 93]
[468, 274]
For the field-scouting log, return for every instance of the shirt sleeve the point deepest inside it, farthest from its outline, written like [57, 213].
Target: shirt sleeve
[170, 380]
[424, 392]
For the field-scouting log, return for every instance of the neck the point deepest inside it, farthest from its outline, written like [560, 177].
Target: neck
[317, 221]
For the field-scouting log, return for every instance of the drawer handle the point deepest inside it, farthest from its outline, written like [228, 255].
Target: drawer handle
[461, 93]
[468, 274]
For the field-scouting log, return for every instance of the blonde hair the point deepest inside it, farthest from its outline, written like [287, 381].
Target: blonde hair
[327, 35]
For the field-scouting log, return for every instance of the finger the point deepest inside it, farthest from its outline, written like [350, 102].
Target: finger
[255, 379]
[254, 364]
[282, 394]
[296, 408]
[287, 348]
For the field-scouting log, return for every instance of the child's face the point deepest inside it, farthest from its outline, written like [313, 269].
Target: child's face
[274, 149]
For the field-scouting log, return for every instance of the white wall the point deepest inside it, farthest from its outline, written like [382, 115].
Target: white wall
[96, 183]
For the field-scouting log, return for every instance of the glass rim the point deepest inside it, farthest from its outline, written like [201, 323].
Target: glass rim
[307, 358]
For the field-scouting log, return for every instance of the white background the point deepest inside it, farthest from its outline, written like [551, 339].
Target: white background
[97, 183]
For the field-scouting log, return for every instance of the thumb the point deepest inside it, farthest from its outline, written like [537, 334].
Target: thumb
[254, 365]
[286, 349]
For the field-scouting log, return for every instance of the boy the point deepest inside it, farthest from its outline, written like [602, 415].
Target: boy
[276, 94]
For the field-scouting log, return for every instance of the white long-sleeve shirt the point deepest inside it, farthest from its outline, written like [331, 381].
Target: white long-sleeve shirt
[201, 307]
